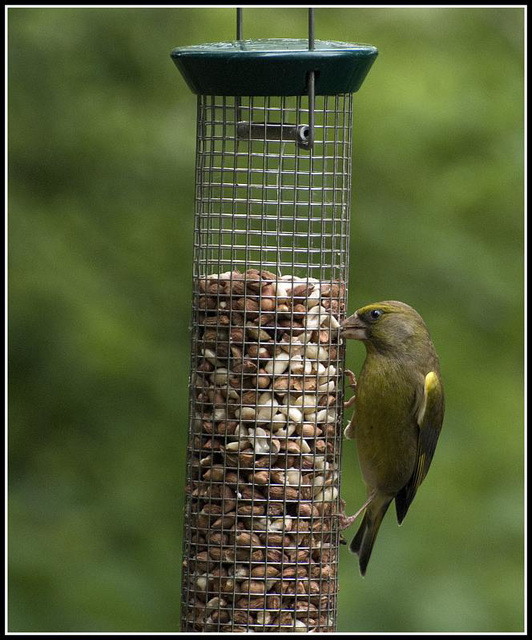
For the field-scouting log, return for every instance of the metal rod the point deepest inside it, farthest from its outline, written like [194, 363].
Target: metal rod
[239, 34]
[272, 132]
[311, 29]
[239, 24]
[311, 81]
[311, 100]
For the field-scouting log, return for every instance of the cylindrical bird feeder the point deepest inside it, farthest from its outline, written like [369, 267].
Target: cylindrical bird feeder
[270, 270]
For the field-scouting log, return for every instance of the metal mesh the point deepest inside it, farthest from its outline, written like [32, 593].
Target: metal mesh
[266, 394]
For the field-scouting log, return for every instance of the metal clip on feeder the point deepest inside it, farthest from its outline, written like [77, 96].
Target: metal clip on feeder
[270, 271]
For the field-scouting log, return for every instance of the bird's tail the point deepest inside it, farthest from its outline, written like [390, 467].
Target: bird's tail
[362, 543]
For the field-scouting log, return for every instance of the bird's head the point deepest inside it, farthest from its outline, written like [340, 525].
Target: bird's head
[384, 325]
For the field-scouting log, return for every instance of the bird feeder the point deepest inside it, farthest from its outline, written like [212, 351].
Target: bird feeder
[270, 278]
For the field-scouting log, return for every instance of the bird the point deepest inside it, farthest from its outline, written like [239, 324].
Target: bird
[398, 412]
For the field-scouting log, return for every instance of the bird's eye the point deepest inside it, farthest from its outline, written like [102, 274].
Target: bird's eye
[375, 314]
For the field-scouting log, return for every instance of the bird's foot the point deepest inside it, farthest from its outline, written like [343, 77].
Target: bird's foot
[346, 521]
[353, 385]
[350, 402]
[352, 379]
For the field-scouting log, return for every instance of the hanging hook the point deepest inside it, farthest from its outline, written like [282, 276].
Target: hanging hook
[302, 134]
[239, 23]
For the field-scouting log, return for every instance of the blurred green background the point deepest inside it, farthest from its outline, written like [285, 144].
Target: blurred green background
[101, 193]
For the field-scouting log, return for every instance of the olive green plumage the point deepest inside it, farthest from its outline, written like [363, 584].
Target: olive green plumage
[398, 413]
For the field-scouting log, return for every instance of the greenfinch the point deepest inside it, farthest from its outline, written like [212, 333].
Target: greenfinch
[398, 412]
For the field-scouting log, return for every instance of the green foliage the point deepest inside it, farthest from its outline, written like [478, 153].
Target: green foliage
[101, 192]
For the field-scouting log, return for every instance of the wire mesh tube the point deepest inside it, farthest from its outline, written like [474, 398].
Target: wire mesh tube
[266, 387]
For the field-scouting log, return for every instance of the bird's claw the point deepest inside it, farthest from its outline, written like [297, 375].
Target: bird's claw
[343, 520]
[353, 385]
[346, 521]
[350, 402]
[352, 379]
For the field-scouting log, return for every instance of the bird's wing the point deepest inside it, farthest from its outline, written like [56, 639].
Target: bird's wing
[429, 417]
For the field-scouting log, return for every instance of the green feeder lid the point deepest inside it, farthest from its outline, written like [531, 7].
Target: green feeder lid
[273, 67]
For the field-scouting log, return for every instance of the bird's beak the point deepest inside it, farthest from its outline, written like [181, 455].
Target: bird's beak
[354, 328]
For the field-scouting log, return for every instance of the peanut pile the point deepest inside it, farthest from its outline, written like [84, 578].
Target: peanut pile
[261, 533]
